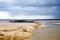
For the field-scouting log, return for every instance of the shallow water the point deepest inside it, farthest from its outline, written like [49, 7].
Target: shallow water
[50, 32]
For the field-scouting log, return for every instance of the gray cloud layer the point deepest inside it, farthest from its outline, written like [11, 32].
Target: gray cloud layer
[31, 7]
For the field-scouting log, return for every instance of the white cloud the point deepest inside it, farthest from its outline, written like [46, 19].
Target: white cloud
[22, 16]
[4, 15]
[9, 2]
[22, 8]
[1, 0]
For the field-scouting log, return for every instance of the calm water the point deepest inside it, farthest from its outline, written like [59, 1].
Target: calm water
[50, 32]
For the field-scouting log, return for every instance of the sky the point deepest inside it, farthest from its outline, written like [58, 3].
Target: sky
[29, 9]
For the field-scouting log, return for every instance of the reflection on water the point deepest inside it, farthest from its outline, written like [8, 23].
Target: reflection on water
[51, 32]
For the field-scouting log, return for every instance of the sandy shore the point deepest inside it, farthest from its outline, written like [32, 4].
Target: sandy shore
[50, 32]
[22, 30]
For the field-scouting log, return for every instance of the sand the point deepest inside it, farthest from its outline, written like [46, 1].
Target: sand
[50, 32]
[17, 31]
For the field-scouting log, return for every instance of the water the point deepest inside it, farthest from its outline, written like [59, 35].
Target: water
[50, 32]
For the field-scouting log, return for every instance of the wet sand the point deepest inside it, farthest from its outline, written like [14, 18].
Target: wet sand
[50, 32]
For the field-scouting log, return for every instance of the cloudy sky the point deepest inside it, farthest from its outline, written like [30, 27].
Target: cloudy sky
[29, 9]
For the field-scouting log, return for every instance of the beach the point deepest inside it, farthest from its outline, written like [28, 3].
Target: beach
[51, 31]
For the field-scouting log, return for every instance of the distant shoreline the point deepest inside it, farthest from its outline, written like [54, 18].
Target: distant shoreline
[27, 20]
